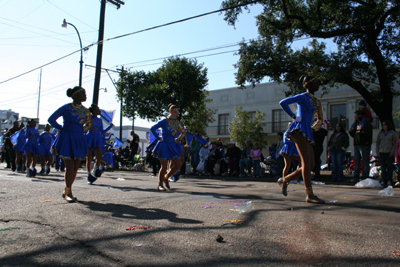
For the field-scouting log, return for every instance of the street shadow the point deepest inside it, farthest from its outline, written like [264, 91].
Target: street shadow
[130, 212]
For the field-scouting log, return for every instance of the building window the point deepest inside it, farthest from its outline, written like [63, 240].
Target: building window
[252, 114]
[338, 115]
[223, 123]
[279, 121]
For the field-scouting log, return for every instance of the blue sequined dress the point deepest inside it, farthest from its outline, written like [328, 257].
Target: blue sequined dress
[289, 147]
[32, 135]
[70, 142]
[307, 106]
[168, 149]
[45, 141]
[95, 137]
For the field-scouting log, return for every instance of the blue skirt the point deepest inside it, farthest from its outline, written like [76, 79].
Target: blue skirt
[165, 151]
[94, 141]
[301, 127]
[19, 146]
[44, 150]
[31, 146]
[71, 145]
[289, 149]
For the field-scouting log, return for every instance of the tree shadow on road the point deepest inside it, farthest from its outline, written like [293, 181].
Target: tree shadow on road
[130, 212]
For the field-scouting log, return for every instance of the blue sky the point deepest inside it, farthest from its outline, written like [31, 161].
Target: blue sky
[31, 35]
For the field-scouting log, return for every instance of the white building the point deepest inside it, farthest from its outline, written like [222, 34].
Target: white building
[7, 118]
[339, 104]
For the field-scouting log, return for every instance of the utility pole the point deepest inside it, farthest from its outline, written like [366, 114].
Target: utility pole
[96, 88]
[38, 104]
[121, 73]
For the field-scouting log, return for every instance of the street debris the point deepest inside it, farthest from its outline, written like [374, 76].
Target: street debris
[235, 224]
[234, 221]
[206, 207]
[333, 201]
[396, 252]
[48, 200]
[219, 238]
[387, 192]
[368, 183]
[245, 207]
[134, 227]
[120, 179]
[9, 228]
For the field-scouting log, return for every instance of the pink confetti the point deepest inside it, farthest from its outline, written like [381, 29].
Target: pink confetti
[207, 207]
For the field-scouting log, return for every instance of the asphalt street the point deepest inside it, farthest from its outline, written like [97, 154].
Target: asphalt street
[356, 227]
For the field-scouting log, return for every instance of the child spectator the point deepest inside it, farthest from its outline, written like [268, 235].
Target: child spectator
[255, 155]
[367, 113]
[204, 157]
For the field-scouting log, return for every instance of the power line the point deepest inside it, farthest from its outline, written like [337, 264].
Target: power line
[72, 16]
[128, 34]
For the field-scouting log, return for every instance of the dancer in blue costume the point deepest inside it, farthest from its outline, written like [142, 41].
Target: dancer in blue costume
[46, 157]
[18, 139]
[168, 148]
[96, 142]
[31, 148]
[70, 142]
[288, 152]
[300, 133]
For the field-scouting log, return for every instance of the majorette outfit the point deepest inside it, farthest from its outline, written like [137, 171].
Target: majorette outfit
[170, 147]
[70, 142]
[45, 141]
[307, 106]
[289, 147]
[32, 135]
[95, 137]
[18, 139]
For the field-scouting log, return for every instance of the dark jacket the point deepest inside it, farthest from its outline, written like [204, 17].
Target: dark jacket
[341, 141]
[233, 153]
[363, 137]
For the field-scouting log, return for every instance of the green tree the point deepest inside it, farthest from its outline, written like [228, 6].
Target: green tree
[366, 33]
[179, 81]
[242, 128]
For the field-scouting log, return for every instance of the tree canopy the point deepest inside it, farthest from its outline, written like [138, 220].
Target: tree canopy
[366, 34]
[242, 127]
[179, 81]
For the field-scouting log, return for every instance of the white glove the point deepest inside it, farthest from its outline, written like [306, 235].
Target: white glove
[298, 118]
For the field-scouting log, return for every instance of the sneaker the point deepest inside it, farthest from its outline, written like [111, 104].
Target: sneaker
[96, 173]
[91, 179]
[41, 171]
[28, 173]
[47, 170]
[33, 172]
[171, 179]
[153, 175]
[242, 175]
[224, 174]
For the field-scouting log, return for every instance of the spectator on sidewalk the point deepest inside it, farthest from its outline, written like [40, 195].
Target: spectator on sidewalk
[362, 136]
[385, 150]
[194, 152]
[232, 158]
[319, 137]
[279, 158]
[337, 145]
[245, 160]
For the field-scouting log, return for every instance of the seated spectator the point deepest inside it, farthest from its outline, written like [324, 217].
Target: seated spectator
[232, 158]
[214, 157]
[245, 161]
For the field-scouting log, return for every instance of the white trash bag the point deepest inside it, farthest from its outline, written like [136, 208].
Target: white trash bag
[387, 192]
[368, 183]
[245, 207]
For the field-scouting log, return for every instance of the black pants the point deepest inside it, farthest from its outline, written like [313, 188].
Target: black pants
[317, 160]
[156, 165]
[10, 159]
